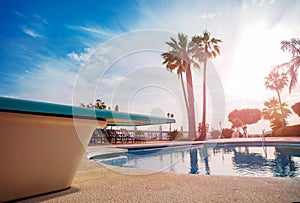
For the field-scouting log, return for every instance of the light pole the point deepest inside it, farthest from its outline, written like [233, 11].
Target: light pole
[170, 116]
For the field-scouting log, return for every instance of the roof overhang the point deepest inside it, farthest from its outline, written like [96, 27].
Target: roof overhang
[112, 118]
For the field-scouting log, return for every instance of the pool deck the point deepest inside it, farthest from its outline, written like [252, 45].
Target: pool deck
[95, 182]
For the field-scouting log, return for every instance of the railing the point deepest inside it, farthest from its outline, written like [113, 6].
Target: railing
[149, 134]
[154, 135]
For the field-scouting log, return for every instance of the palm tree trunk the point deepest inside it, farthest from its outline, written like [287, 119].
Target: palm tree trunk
[279, 99]
[281, 109]
[184, 92]
[203, 130]
[191, 110]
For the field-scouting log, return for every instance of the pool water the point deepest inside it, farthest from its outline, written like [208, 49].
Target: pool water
[268, 161]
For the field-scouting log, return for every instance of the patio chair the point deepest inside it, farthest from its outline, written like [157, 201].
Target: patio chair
[103, 136]
[127, 136]
[140, 139]
[115, 137]
[136, 138]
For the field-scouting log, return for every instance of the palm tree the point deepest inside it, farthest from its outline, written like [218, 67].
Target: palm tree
[276, 113]
[180, 57]
[276, 81]
[211, 50]
[292, 66]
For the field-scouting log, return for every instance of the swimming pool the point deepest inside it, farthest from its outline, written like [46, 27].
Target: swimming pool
[272, 160]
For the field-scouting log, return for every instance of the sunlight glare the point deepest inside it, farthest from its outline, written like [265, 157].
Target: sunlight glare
[258, 50]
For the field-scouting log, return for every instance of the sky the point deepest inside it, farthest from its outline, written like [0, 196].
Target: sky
[71, 52]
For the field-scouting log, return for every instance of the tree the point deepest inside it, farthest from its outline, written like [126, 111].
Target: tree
[211, 50]
[296, 108]
[291, 67]
[180, 58]
[200, 128]
[237, 123]
[276, 113]
[98, 105]
[276, 81]
[227, 133]
[244, 117]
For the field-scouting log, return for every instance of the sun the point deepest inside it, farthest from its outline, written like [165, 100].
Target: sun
[257, 51]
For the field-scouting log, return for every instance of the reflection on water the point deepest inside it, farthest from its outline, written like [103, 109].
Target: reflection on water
[246, 161]
[204, 156]
[194, 161]
[284, 165]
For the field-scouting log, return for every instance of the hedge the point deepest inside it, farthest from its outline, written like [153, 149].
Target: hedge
[287, 131]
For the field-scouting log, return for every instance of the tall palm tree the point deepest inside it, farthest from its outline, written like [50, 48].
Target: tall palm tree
[292, 66]
[211, 50]
[180, 57]
[276, 113]
[276, 81]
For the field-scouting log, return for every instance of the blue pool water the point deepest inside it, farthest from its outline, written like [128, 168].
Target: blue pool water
[268, 161]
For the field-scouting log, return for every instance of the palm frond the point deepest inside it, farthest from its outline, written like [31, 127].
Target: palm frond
[292, 46]
[275, 113]
[276, 80]
[293, 78]
[217, 49]
[196, 65]
[210, 45]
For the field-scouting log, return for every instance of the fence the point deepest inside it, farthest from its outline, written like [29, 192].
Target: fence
[156, 135]
[149, 134]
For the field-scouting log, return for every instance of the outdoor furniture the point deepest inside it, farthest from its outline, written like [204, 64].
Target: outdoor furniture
[95, 137]
[136, 138]
[103, 135]
[139, 139]
[115, 137]
[127, 136]
[99, 136]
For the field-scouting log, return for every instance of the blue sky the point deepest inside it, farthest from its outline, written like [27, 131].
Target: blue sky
[46, 46]
[35, 31]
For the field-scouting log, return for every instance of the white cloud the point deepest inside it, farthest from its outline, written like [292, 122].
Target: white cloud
[81, 57]
[20, 14]
[41, 19]
[95, 31]
[51, 80]
[31, 32]
[209, 15]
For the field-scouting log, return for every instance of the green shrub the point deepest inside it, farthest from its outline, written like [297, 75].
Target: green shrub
[227, 133]
[287, 131]
[296, 108]
[175, 135]
[139, 132]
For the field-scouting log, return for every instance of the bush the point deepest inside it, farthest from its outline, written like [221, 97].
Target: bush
[181, 138]
[287, 131]
[215, 134]
[227, 133]
[139, 132]
[296, 108]
[175, 135]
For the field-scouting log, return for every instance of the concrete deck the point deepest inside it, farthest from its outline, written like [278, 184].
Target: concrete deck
[99, 183]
